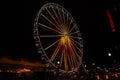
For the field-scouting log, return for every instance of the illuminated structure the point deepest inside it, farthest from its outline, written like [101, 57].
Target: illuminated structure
[58, 38]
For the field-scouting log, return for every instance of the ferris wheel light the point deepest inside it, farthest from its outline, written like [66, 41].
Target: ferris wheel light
[65, 39]
[109, 54]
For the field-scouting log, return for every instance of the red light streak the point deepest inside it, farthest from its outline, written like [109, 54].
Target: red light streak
[110, 21]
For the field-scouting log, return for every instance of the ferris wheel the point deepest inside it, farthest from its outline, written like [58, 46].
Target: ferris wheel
[58, 37]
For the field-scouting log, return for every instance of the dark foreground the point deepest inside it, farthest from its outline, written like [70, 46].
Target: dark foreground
[51, 76]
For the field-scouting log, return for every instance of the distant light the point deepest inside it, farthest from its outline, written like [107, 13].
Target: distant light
[109, 54]
[113, 30]
[23, 70]
[58, 62]
[85, 65]
[93, 64]
[98, 67]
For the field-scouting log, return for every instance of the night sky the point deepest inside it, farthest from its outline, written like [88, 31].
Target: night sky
[98, 39]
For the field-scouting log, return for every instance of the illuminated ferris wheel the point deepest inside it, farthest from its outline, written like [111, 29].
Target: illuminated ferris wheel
[58, 37]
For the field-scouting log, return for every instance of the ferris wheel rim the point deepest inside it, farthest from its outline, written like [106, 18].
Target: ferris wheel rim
[37, 17]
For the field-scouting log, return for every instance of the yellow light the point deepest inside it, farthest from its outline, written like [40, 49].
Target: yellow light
[65, 39]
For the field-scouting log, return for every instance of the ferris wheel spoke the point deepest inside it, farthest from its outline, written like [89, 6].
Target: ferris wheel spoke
[67, 18]
[46, 36]
[72, 28]
[69, 25]
[63, 18]
[75, 37]
[76, 47]
[75, 41]
[71, 53]
[55, 52]
[62, 25]
[75, 60]
[53, 56]
[60, 17]
[65, 60]
[66, 22]
[72, 57]
[75, 53]
[51, 45]
[49, 21]
[74, 33]
[49, 28]
[65, 28]
[56, 16]
[65, 25]
[57, 19]
[80, 60]
[69, 61]
[54, 20]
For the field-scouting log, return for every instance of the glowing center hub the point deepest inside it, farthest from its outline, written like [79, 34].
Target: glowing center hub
[65, 39]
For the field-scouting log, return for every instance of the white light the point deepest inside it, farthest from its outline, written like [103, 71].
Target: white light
[58, 62]
[93, 64]
[98, 67]
[109, 54]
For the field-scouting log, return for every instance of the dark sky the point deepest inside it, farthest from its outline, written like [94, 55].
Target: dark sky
[98, 40]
